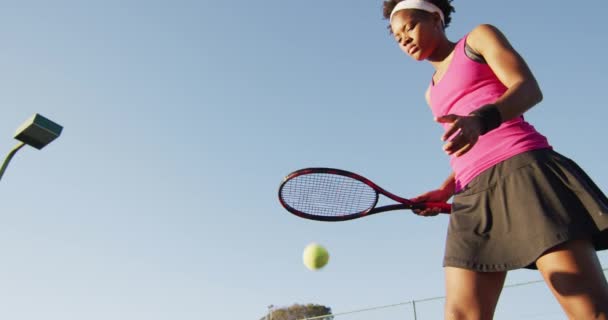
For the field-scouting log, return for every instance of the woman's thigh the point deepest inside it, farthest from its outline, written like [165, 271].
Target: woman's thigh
[471, 294]
[574, 274]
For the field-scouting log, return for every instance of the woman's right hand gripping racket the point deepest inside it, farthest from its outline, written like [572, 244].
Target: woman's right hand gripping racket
[327, 194]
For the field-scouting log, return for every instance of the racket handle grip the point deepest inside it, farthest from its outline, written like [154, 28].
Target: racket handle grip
[443, 207]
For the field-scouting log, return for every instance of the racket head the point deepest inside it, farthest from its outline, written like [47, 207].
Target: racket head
[327, 194]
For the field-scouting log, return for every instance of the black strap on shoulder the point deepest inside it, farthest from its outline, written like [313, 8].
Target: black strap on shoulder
[472, 54]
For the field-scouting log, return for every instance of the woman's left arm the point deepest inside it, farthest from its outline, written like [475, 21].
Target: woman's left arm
[523, 91]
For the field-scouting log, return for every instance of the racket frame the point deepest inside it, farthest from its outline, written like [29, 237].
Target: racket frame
[402, 204]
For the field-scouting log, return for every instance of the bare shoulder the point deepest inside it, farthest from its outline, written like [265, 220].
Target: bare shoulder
[486, 35]
[485, 30]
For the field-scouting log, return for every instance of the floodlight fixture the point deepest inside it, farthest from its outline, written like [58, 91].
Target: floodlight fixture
[37, 132]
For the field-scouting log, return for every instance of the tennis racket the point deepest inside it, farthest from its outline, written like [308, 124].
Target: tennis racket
[327, 194]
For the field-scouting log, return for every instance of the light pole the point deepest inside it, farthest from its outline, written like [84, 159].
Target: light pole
[37, 132]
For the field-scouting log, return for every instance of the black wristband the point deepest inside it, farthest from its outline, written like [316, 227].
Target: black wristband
[489, 117]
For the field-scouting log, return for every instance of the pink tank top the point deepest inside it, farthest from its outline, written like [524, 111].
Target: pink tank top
[466, 86]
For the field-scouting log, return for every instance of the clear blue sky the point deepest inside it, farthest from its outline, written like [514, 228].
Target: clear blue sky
[182, 117]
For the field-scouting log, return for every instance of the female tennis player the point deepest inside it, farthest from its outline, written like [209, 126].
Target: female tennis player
[517, 202]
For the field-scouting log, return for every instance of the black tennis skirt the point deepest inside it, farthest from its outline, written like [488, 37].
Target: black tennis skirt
[510, 214]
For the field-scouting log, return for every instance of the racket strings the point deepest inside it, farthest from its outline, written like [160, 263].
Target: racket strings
[323, 194]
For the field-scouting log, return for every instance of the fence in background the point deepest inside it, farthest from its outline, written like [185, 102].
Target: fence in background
[530, 300]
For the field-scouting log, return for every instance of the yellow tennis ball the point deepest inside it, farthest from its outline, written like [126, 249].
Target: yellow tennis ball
[315, 256]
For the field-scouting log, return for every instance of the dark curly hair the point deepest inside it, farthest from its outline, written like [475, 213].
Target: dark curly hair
[444, 5]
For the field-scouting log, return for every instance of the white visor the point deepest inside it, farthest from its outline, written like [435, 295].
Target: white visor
[420, 5]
